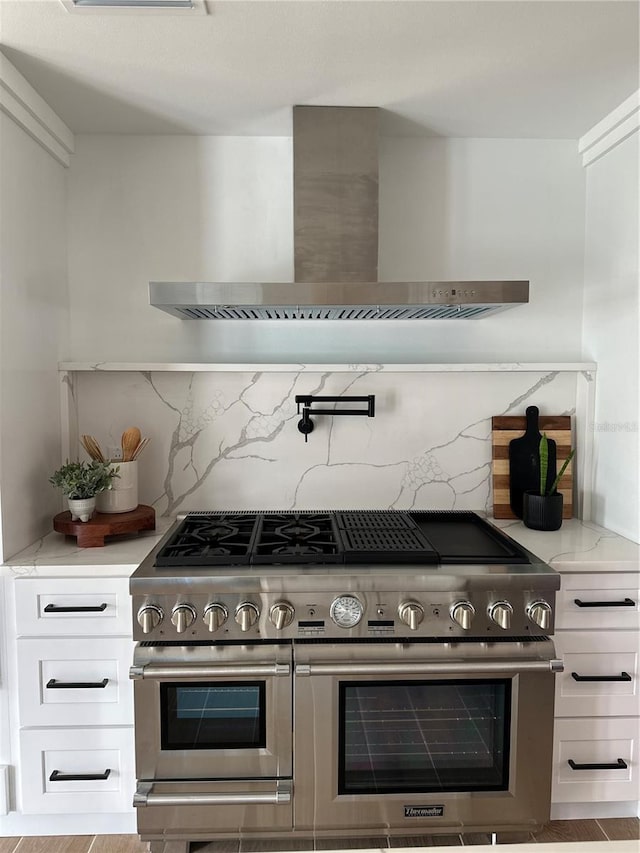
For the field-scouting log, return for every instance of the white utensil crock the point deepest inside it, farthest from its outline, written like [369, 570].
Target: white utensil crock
[123, 494]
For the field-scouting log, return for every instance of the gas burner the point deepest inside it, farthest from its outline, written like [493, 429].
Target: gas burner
[297, 539]
[210, 540]
[298, 530]
[215, 530]
[297, 549]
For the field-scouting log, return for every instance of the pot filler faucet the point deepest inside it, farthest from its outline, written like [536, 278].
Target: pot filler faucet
[305, 424]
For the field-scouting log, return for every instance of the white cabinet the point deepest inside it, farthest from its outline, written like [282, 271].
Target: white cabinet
[72, 607]
[77, 770]
[597, 696]
[73, 700]
[64, 682]
[611, 744]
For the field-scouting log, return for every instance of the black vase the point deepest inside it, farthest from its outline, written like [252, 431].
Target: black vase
[542, 512]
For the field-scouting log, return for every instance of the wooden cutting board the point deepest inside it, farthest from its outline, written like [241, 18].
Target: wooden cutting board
[506, 427]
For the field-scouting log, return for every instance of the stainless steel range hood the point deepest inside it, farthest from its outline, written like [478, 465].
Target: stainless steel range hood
[335, 177]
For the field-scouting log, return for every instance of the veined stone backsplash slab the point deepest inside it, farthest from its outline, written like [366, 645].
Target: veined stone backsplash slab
[230, 440]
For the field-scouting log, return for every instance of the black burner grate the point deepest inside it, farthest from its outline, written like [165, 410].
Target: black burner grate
[342, 537]
[297, 538]
[215, 540]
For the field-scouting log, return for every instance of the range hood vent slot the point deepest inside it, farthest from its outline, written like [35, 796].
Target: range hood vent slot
[335, 176]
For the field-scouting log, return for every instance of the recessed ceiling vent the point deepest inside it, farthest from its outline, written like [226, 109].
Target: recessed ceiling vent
[335, 184]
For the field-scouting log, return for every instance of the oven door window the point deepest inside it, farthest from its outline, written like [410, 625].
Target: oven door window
[404, 736]
[213, 715]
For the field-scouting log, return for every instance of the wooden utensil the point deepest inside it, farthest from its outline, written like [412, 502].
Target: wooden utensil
[130, 440]
[92, 447]
[140, 448]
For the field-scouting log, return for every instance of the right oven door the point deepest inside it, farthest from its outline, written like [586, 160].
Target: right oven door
[422, 737]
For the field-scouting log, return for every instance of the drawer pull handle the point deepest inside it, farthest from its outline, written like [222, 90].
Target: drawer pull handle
[624, 676]
[75, 685]
[627, 602]
[57, 776]
[619, 765]
[54, 608]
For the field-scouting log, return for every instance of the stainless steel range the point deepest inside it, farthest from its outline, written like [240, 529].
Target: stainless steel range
[341, 674]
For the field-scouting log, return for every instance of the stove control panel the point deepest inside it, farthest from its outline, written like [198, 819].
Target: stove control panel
[483, 613]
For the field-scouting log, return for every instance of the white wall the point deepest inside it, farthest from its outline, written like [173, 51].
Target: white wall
[33, 308]
[465, 209]
[177, 208]
[611, 326]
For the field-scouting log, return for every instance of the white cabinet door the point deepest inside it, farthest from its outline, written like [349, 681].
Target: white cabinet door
[596, 601]
[76, 771]
[609, 744]
[65, 682]
[71, 607]
[588, 657]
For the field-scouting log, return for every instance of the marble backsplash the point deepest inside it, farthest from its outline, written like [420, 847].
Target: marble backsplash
[222, 440]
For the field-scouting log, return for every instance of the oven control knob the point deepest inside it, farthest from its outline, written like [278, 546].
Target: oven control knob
[246, 615]
[540, 613]
[281, 614]
[149, 617]
[214, 616]
[182, 616]
[501, 613]
[411, 613]
[463, 612]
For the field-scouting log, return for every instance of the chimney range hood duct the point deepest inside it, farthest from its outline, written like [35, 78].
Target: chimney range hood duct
[335, 178]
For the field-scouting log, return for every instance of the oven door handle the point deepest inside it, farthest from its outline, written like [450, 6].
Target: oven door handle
[453, 668]
[145, 796]
[182, 673]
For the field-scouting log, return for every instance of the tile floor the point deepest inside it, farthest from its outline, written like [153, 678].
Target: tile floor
[614, 829]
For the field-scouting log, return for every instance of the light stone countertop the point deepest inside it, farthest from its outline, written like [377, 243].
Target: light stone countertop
[56, 554]
[547, 847]
[577, 546]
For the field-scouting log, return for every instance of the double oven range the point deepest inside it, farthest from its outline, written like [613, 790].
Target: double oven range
[337, 674]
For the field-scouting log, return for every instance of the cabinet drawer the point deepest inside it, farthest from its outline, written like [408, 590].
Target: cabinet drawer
[50, 669]
[58, 606]
[604, 601]
[49, 756]
[589, 657]
[601, 742]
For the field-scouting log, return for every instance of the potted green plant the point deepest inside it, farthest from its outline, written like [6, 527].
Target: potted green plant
[80, 482]
[542, 510]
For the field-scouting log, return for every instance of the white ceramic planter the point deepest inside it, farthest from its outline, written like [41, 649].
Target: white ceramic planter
[123, 494]
[81, 509]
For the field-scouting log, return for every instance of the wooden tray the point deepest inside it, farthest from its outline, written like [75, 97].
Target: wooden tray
[91, 534]
[506, 427]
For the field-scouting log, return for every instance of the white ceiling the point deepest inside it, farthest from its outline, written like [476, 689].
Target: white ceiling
[509, 68]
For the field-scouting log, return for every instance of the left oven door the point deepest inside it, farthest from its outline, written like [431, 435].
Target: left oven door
[213, 711]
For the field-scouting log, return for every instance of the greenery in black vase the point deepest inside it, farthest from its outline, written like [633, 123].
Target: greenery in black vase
[544, 465]
[82, 480]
